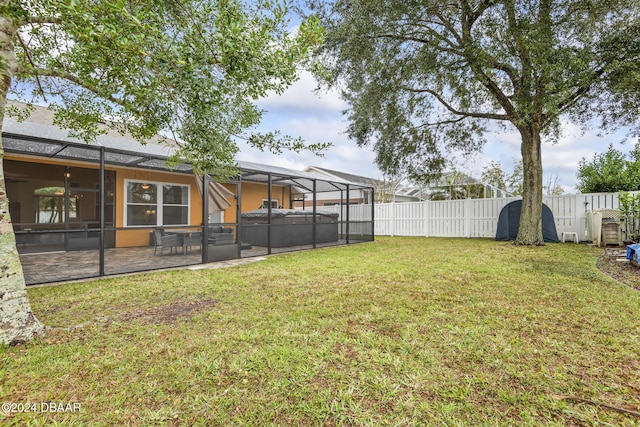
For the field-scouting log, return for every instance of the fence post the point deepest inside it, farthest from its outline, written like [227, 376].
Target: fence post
[579, 214]
[392, 214]
[468, 211]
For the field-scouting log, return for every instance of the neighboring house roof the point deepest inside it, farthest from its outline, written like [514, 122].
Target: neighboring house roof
[399, 190]
[38, 136]
[346, 176]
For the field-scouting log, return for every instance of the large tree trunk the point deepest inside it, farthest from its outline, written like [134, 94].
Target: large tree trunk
[530, 231]
[17, 322]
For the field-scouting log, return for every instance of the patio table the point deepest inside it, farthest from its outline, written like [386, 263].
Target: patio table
[184, 235]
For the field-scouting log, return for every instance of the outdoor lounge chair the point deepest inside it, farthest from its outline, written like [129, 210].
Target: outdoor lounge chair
[165, 241]
[220, 236]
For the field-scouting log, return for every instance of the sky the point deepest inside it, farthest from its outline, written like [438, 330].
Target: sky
[317, 117]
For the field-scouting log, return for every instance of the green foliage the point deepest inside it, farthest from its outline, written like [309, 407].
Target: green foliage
[455, 185]
[191, 70]
[425, 77]
[515, 181]
[492, 174]
[610, 172]
[630, 210]
[512, 183]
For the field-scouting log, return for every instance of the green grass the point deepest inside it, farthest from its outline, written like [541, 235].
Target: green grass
[402, 331]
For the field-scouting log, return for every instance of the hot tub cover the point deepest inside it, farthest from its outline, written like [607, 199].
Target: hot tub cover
[281, 213]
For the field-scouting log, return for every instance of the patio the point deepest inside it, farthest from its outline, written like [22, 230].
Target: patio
[60, 266]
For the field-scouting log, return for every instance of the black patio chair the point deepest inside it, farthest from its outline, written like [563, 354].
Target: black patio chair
[163, 241]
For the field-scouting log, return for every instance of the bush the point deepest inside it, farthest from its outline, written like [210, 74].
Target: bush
[630, 211]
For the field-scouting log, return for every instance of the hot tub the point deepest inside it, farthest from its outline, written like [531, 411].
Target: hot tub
[289, 227]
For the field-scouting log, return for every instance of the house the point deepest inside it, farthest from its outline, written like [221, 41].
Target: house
[458, 185]
[451, 185]
[83, 210]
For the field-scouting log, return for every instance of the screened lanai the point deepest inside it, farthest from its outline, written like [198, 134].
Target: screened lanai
[88, 210]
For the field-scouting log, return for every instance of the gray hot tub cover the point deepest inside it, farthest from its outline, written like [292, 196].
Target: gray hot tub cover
[281, 213]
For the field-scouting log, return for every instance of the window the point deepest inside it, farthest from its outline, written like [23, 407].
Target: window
[274, 204]
[153, 204]
[51, 205]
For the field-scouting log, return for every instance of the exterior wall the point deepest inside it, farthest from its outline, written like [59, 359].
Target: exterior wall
[253, 193]
[135, 236]
[252, 196]
[132, 236]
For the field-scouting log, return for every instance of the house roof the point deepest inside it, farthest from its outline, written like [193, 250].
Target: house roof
[345, 176]
[37, 136]
[399, 190]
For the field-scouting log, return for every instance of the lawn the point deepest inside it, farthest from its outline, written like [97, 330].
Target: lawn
[401, 331]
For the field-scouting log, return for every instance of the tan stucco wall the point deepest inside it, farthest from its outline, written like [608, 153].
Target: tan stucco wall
[252, 196]
[140, 237]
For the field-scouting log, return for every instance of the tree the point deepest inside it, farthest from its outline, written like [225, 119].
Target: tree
[493, 175]
[515, 180]
[191, 69]
[610, 172]
[552, 186]
[423, 77]
[385, 189]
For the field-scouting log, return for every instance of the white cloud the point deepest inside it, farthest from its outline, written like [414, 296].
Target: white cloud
[303, 97]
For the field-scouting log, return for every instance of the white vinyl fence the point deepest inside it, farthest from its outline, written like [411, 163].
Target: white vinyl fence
[471, 217]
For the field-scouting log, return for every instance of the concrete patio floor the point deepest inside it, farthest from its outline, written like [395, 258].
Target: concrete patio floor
[60, 266]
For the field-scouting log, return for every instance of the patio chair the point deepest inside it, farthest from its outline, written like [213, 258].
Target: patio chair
[193, 240]
[168, 240]
[223, 237]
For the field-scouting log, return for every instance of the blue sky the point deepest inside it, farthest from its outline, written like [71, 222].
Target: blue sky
[318, 117]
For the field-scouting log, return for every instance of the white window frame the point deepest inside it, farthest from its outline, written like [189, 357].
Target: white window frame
[159, 202]
[273, 201]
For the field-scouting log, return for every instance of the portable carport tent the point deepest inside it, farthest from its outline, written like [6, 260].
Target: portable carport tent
[509, 222]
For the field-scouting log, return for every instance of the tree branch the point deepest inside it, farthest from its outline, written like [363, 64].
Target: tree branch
[521, 50]
[40, 72]
[598, 404]
[422, 41]
[28, 55]
[474, 59]
[454, 110]
[442, 122]
[579, 92]
[43, 20]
